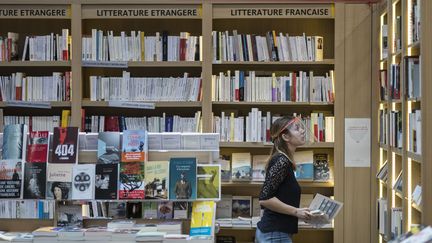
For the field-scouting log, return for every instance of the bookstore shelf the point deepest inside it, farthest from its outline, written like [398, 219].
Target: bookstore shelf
[88, 103]
[383, 146]
[254, 184]
[399, 195]
[414, 45]
[270, 103]
[27, 104]
[397, 151]
[269, 145]
[161, 64]
[300, 228]
[416, 207]
[414, 157]
[397, 53]
[278, 63]
[36, 64]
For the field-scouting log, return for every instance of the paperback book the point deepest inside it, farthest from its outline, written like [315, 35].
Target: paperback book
[165, 210]
[208, 182]
[258, 167]
[180, 210]
[321, 168]
[202, 219]
[150, 210]
[37, 147]
[14, 141]
[65, 145]
[182, 178]
[34, 180]
[10, 178]
[241, 206]
[69, 215]
[108, 148]
[106, 181]
[131, 180]
[117, 210]
[59, 181]
[225, 163]
[134, 210]
[241, 166]
[156, 179]
[304, 163]
[83, 182]
[135, 146]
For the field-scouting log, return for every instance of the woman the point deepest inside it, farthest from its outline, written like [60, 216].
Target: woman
[59, 191]
[280, 195]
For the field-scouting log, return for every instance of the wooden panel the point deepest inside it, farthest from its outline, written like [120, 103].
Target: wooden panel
[207, 25]
[76, 95]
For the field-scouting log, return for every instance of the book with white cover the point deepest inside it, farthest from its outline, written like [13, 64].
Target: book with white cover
[83, 181]
[326, 209]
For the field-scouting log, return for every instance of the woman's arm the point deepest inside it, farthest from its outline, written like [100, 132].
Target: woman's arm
[276, 205]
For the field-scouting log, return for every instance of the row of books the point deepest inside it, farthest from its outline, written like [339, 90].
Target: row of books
[35, 123]
[245, 167]
[271, 47]
[51, 47]
[397, 33]
[19, 87]
[138, 47]
[414, 20]
[165, 123]
[395, 84]
[414, 77]
[396, 224]
[255, 127]
[145, 89]
[395, 124]
[9, 47]
[291, 86]
[10, 209]
[383, 125]
[414, 132]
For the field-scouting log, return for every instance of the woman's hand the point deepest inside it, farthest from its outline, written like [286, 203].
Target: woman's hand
[303, 214]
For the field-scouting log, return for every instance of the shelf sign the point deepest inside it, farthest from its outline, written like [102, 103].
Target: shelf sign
[129, 104]
[274, 11]
[35, 11]
[30, 104]
[105, 64]
[141, 11]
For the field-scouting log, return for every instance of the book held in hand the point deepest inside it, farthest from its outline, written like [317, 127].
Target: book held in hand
[323, 210]
[65, 145]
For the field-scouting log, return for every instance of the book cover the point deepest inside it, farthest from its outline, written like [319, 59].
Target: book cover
[241, 166]
[65, 145]
[202, 219]
[208, 182]
[180, 210]
[165, 210]
[134, 210]
[321, 167]
[135, 146]
[156, 179]
[182, 178]
[37, 147]
[304, 163]
[83, 181]
[150, 210]
[258, 167]
[224, 207]
[241, 206]
[117, 210]
[131, 180]
[225, 163]
[34, 180]
[14, 141]
[59, 181]
[108, 148]
[256, 207]
[69, 215]
[106, 181]
[10, 178]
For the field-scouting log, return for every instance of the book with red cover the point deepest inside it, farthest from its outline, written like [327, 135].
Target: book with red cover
[65, 145]
[112, 124]
[37, 147]
[131, 180]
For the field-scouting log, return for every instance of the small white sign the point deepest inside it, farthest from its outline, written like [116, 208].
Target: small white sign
[130, 104]
[357, 142]
[30, 104]
[105, 64]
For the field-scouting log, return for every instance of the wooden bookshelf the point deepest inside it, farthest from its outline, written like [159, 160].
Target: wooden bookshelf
[105, 104]
[52, 64]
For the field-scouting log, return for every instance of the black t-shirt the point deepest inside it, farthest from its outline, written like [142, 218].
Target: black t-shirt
[280, 182]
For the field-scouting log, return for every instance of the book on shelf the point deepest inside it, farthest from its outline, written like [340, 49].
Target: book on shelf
[383, 125]
[241, 166]
[65, 118]
[134, 210]
[65, 145]
[398, 183]
[9, 47]
[156, 174]
[11, 172]
[59, 181]
[383, 85]
[383, 172]
[35, 123]
[26, 209]
[135, 146]
[171, 140]
[182, 178]
[180, 210]
[117, 210]
[258, 167]
[106, 181]
[417, 195]
[414, 21]
[95, 209]
[50, 47]
[397, 34]
[165, 210]
[382, 215]
[256, 207]
[83, 182]
[14, 141]
[202, 219]
[384, 41]
[414, 132]
[305, 165]
[395, 83]
[413, 87]
[131, 180]
[150, 210]
[34, 180]
[225, 163]
[396, 129]
[69, 215]
[396, 226]
[321, 168]
[208, 182]
[37, 147]
[108, 145]
[224, 207]
[241, 206]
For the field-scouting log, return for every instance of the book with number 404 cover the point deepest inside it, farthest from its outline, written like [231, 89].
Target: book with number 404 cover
[65, 145]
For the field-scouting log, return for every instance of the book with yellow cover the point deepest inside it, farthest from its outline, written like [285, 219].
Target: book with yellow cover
[202, 219]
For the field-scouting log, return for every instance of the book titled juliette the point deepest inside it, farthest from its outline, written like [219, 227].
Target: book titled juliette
[65, 145]
[10, 178]
[37, 147]
[135, 146]
[131, 180]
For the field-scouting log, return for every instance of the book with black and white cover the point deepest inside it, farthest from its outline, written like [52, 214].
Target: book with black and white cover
[65, 145]
[241, 206]
[69, 215]
[108, 148]
[14, 141]
[117, 210]
[34, 180]
[180, 210]
[134, 210]
[11, 173]
[324, 209]
[83, 181]
[59, 181]
[106, 181]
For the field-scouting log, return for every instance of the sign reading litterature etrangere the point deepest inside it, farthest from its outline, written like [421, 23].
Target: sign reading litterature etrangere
[35, 11]
[141, 11]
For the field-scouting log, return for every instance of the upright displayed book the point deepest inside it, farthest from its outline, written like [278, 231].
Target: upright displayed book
[225, 163]
[83, 181]
[108, 148]
[59, 181]
[224, 207]
[34, 180]
[135, 146]
[241, 168]
[321, 168]
[69, 215]
[258, 167]
[14, 141]
[131, 180]
[202, 219]
[65, 145]
[180, 210]
[182, 178]
[165, 210]
[37, 147]
[305, 166]
[208, 182]
[150, 210]
[106, 181]
[156, 179]
[241, 206]
[10, 178]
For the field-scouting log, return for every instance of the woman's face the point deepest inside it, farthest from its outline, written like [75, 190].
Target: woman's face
[57, 193]
[297, 134]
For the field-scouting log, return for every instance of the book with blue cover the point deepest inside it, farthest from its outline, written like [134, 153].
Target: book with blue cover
[305, 167]
[182, 179]
[108, 148]
[134, 146]
[14, 141]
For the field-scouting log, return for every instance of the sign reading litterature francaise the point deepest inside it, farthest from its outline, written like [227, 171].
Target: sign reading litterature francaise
[274, 11]
[35, 11]
[141, 11]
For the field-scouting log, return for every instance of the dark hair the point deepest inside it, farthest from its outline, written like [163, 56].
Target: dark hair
[64, 190]
[278, 128]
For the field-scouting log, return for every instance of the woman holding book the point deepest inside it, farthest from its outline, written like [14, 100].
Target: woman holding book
[280, 194]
